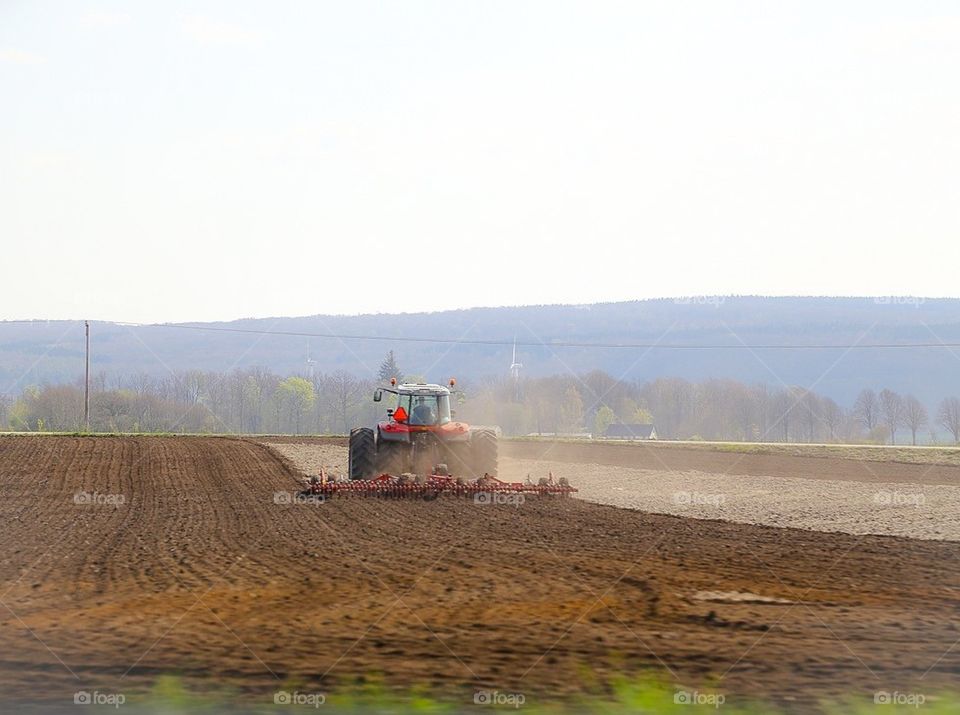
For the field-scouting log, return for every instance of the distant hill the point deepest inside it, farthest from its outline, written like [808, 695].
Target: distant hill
[38, 352]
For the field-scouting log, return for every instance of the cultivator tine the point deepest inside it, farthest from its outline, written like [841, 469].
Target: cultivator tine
[388, 486]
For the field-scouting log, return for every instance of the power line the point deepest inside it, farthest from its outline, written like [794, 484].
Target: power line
[555, 344]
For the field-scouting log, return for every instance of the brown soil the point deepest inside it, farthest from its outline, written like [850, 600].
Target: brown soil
[200, 572]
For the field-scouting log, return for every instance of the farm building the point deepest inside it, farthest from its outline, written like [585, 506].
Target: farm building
[630, 431]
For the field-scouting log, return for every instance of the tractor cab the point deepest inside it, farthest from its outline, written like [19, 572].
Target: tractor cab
[422, 410]
[419, 405]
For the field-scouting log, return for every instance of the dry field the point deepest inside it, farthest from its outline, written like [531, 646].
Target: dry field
[924, 454]
[127, 558]
[817, 490]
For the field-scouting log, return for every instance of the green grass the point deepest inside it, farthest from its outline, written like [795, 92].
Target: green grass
[170, 697]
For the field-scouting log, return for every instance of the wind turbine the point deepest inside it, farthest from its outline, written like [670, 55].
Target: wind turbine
[515, 366]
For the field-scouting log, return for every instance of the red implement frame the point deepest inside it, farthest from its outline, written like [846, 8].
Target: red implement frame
[388, 485]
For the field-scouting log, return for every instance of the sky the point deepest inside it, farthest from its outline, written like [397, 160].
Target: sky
[165, 161]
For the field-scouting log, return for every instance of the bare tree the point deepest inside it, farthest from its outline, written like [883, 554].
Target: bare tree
[261, 391]
[783, 404]
[237, 382]
[866, 409]
[809, 413]
[670, 399]
[744, 411]
[141, 383]
[832, 416]
[763, 410]
[216, 396]
[5, 402]
[948, 415]
[571, 410]
[914, 415]
[188, 386]
[345, 390]
[891, 412]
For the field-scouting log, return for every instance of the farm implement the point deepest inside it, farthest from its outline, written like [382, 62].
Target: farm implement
[438, 483]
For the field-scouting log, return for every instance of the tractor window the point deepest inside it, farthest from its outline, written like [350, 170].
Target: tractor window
[443, 411]
[426, 409]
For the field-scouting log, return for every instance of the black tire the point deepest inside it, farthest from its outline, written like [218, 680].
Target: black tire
[390, 457]
[363, 453]
[458, 456]
[483, 445]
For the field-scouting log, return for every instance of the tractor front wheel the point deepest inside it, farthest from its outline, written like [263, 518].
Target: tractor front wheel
[363, 453]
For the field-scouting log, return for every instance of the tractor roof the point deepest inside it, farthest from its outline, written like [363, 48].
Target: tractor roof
[409, 388]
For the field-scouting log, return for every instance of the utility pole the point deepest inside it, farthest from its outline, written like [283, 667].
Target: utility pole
[86, 381]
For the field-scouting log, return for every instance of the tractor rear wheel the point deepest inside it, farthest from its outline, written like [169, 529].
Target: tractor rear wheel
[483, 444]
[390, 457]
[363, 453]
[458, 456]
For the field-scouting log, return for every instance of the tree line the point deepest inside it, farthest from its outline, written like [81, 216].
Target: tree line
[260, 401]
[712, 409]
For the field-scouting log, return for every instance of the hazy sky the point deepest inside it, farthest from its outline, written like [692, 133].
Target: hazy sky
[215, 160]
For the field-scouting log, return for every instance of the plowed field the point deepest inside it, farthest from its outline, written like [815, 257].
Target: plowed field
[126, 558]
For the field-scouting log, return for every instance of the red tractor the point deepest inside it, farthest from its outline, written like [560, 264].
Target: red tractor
[420, 436]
